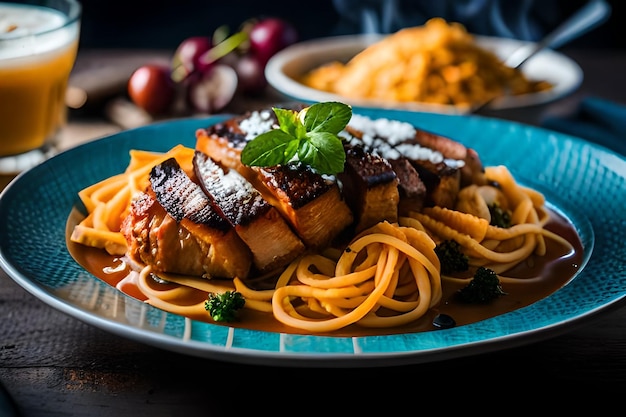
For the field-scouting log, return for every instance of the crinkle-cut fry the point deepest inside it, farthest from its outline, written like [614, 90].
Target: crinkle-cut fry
[466, 223]
[87, 221]
[141, 162]
[113, 242]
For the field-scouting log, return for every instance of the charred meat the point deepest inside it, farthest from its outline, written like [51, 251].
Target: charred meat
[173, 227]
[370, 186]
[272, 242]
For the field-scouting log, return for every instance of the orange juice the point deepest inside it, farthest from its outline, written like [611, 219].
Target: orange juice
[37, 52]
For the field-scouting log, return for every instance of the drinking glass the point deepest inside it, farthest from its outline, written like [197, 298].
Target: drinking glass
[38, 46]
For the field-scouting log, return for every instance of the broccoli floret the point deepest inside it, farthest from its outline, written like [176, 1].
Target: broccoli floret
[224, 306]
[451, 257]
[484, 287]
[499, 216]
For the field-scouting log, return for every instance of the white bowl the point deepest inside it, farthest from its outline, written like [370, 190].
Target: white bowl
[287, 66]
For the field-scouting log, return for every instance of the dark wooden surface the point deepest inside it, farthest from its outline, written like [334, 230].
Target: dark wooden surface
[54, 365]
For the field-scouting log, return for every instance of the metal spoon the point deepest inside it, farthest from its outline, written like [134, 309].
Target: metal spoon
[588, 17]
[594, 13]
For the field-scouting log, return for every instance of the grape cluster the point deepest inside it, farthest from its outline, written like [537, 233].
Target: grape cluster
[206, 72]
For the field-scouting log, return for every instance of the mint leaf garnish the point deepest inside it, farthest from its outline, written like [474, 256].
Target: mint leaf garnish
[329, 117]
[308, 136]
[323, 151]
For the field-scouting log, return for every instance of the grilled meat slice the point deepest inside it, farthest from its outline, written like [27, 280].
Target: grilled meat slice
[472, 169]
[310, 202]
[442, 183]
[370, 186]
[223, 142]
[411, 188]
[393, 140]
[187, 236]
[157, 239]
[272, 242]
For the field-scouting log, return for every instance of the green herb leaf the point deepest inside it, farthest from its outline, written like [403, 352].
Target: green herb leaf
[289, 122]
[270, 148]
[324, 151]
[308, 136]
[329, 117]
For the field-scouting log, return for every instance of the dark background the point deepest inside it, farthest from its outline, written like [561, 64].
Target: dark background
[163, 24]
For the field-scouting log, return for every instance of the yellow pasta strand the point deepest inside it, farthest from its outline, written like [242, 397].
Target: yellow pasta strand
[282, 295]
[355, 297]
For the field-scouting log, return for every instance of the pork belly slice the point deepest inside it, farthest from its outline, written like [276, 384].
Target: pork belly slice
[472, 170]
[434, 158]
[272, 242]
[310, 202]
[411, 188]
[442, 183]
[370, 187]
[192, 238]
[223, 142]
[155, 238]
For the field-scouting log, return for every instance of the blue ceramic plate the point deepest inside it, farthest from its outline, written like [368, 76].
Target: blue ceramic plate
[581, 181]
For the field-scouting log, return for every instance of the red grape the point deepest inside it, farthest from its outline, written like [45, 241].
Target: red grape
[270, 35]
[188, 57]
[214, 90]
[151, 88]
[250, 74]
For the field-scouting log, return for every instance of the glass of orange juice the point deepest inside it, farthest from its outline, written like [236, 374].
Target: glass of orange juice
[38, 46]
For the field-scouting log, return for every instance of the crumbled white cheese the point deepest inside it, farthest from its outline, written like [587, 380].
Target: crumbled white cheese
[394, 131]
[386, 138]
[258, 122]
[383, 137]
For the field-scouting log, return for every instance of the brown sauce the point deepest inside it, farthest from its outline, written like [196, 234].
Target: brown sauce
[551, 271]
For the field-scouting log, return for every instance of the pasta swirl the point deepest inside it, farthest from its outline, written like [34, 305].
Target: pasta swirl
[387, 276]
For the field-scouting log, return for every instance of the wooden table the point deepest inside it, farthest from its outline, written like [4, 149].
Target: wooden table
[55, 365]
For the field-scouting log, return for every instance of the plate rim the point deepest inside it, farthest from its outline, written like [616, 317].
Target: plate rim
[286, 85]
[277, 357]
